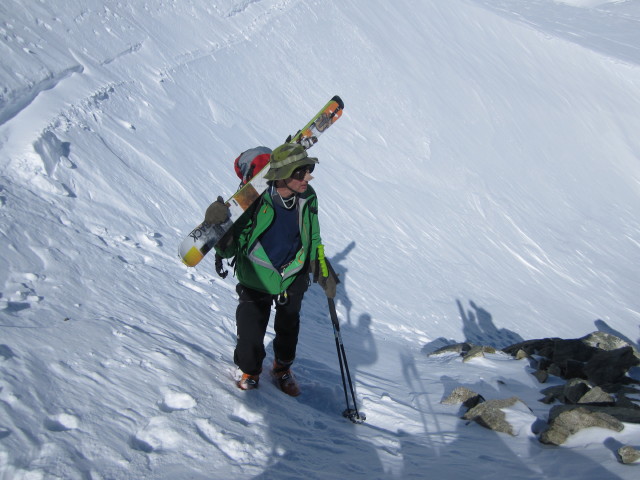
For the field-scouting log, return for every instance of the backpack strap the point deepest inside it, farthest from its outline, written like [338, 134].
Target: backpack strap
[253, 210]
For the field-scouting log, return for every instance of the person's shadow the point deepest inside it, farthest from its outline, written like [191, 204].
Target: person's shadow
[472, 451]
[604, 327]
[341, 294]
[478, 328]
[313, 421]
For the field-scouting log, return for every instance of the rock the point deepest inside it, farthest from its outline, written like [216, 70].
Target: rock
[601, 358]
[464, 396]
[610, 366]
[622, 414]
[573, 369]
[551, 394]
[490, 415]
[521, 355]
[555, 370]
[574, 390]
[606, 341]
[477, 351]
[466, 350]
[460, 348]
[541, 376]
[571, 349]
[565, 422]
[628, 454]
[625, 397]
[597, 396]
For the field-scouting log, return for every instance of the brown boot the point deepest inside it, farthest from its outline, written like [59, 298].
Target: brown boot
[248, 382]
[285, 380]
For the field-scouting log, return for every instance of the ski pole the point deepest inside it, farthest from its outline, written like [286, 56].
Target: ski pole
[350, 413]
[324, 271]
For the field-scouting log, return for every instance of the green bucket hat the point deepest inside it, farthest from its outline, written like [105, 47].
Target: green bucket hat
[285, 159]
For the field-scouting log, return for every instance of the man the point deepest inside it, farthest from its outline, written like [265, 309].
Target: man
[274, 244]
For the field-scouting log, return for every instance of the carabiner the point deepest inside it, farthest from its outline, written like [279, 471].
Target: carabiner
[282, 299]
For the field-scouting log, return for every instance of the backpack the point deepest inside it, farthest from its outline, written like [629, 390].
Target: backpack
[251, 162]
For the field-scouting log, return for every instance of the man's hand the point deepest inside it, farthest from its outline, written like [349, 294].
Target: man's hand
[217, 212]
[324, 275]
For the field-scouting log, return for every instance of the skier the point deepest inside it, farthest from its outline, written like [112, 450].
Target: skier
[275, 244]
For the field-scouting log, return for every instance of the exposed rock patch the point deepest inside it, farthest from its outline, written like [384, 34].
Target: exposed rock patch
[598, 391]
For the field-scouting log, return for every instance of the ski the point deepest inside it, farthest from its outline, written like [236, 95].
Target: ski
[204, 237]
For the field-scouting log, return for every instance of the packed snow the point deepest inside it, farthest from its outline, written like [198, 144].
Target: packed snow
[483, 185]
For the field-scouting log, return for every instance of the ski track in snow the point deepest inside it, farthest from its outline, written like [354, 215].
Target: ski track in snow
[111, 351]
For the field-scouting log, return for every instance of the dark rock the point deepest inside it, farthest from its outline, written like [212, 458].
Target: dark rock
[601, 358]
[574, 390]
[610, 366]
[573, 369]
[555, 370]
[551, 394]
[541, 376]
[623, 400]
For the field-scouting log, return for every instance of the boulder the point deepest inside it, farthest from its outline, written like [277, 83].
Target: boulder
[606, 341]
[466, 350]
[477, 351]
[460, 348]
[599, 357]
[464, 396]
[606, 367]
[565, 422]
[628, 454]
[490, 414]
[597, 396]
[551, 394]
[574, 390]
[622, 414]
[541, 375]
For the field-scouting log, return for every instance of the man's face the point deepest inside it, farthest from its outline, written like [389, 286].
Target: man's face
[300, 178]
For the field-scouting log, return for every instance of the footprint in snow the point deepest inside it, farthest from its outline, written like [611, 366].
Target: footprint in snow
[174, 401]
[61, 423]
[6, 353]
[156, 436]
[152, 239]
[23, 296]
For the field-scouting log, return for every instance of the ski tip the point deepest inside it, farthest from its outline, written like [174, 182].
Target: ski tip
[336, 98]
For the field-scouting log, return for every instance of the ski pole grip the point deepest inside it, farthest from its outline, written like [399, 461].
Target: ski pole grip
[322, 261]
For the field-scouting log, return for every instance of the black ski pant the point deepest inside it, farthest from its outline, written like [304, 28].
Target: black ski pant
[252, 319]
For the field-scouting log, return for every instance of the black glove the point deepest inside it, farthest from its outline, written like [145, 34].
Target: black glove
[220, 270]
[218, 212]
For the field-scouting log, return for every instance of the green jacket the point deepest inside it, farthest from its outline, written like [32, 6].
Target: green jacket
[253, 267]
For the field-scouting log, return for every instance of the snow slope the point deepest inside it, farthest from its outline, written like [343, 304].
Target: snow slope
[482, 185]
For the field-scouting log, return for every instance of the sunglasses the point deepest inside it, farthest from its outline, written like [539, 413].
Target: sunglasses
[301, 172]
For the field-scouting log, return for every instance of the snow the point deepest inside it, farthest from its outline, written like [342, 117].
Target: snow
[482, 185]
